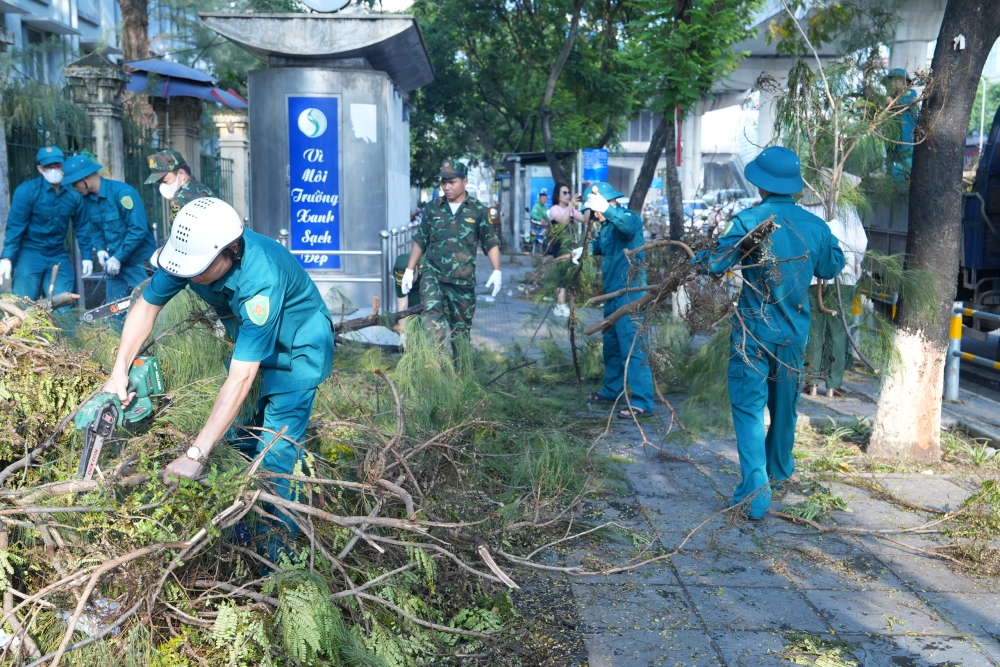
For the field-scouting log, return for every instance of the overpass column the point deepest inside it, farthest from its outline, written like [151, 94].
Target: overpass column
[919, 23]
[691, 154]
[767, 111]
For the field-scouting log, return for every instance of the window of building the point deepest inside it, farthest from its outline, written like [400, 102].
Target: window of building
[641, 129]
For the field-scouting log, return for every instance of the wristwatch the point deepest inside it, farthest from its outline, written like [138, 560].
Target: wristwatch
[194, 454]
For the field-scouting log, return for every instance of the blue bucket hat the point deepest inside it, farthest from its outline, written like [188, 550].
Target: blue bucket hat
[49, 155]
[79, 167]
[898, 73]
[602, 188]
[776, 169]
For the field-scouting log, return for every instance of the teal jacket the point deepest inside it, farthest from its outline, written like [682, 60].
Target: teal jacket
[271, 309]
[621, 230]
[774, 304]
[40, 217]
[118, 223]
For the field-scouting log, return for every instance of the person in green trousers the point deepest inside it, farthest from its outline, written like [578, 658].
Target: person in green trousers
[771, 321]
[828, 349]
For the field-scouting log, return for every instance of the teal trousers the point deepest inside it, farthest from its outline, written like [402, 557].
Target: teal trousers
[274, 412]
[763, 374]
[33, 274]
[617, 346]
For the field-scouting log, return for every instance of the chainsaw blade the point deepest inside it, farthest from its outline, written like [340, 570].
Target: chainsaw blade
[97, 432]
[107, 310]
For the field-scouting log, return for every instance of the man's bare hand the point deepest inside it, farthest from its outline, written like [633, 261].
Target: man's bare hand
[182, 466]
[118, 384]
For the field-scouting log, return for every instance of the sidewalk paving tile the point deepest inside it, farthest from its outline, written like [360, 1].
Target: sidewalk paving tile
[713, 569]
[673, 648]
[736, 608]
[884, 612]
[645, 607]
[909, 651]
[757, 648]
[809, 567]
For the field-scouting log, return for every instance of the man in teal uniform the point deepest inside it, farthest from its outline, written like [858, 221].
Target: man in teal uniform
[118, 225]
[270, 308]
[771, 323]
[621, 229]
[900, 153]
[40, 215]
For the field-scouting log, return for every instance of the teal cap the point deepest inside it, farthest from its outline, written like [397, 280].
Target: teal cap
[777, 169]
[49, 155]
[898, 73]
[602, 188]
[79, 167]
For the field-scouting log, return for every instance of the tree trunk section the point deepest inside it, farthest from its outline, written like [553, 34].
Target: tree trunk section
[135, 46]
[544, 110]
[648, 169]
[675, 198]
[135, 29]
[907, 422]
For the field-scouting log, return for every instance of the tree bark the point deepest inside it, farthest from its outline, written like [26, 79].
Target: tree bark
[135, 29]
[908, 419]
[675, 198]
[135, 46]
[649, 162]
[545, 111]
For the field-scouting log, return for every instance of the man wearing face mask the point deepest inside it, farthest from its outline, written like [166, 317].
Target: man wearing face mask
[118, 225]
[40, 214]
[177, 183]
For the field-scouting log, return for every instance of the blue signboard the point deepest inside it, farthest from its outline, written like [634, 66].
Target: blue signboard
[657, 183]
[595, 164]
[314, 179]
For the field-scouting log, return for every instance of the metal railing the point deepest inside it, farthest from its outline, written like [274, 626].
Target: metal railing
[217, 173]
[955, 356]
[386, 260]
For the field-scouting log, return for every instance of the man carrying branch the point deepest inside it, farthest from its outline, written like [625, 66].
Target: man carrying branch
[624, 345]
[771, 322]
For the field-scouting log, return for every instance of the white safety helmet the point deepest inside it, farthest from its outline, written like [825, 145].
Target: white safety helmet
[201, 231]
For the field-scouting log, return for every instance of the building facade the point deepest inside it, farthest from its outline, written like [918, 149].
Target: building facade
[52, 33]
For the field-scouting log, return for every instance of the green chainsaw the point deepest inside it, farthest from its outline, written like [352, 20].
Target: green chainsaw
[99, 416]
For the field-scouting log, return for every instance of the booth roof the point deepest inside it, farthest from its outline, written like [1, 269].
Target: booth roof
[170, 69]
[170, 87]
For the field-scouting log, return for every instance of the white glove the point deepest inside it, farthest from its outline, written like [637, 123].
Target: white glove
[4, 270]
[86, 267]
[102, 257]
[407, 283]
[576, 254]
[597, 203]
[495, 281]
[112, 266]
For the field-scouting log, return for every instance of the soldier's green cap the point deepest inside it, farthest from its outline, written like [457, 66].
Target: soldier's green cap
[453, 169]
[162, 163]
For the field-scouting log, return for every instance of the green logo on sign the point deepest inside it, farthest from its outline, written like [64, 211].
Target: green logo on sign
[258, 308]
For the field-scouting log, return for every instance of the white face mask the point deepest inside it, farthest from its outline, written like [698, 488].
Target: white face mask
[53, 176]
[168, 191]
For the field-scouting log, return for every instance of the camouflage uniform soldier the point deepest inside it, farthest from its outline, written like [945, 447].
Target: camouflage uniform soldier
[451, 228]
[177, 183]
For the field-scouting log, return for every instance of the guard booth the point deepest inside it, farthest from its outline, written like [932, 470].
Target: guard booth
[330, 139]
